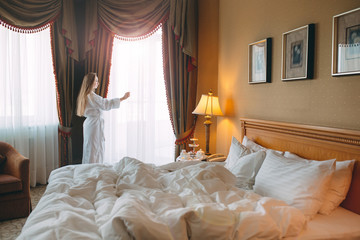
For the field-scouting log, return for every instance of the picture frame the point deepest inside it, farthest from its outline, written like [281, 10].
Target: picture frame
[346, 43]
[298, 53]
[260, 61]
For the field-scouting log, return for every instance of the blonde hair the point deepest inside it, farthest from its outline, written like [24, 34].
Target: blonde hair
[86, 88]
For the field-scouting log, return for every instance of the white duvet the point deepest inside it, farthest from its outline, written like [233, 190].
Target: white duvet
[133, 200]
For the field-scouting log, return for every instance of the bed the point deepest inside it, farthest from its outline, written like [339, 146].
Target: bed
[205, 200]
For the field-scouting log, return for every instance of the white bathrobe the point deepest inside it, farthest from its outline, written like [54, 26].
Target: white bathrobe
[93, 129]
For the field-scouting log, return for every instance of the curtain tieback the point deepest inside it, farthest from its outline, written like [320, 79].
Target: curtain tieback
[185, 136]
[64, 131]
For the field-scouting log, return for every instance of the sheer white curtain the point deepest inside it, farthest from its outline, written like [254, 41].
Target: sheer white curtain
[141, 128]
[28, 115]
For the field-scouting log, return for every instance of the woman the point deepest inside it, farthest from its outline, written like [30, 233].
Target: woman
[91, 105]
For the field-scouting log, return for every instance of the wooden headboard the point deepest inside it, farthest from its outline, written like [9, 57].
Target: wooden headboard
[310, 142]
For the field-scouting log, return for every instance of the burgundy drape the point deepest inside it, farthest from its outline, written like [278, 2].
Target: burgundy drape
[179, 55]
[180, 82]
[98, 59]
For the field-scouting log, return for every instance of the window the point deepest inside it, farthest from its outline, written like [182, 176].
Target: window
[27, 82]
[141, 128]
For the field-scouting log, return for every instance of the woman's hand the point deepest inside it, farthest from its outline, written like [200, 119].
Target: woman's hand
[126, 96]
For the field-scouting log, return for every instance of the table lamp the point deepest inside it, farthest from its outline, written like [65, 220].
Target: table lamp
[208, 106]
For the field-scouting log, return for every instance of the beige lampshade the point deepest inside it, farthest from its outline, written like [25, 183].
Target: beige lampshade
[208, 105]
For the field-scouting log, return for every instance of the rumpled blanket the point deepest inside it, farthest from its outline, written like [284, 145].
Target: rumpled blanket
[134, 200]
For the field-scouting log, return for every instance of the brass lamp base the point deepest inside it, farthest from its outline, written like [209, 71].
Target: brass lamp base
[207, 124]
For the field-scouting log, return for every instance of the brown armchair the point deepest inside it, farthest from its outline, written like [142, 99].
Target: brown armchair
[15, 199]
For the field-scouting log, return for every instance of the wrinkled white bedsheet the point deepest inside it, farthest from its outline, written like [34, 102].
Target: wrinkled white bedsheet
[131, 199]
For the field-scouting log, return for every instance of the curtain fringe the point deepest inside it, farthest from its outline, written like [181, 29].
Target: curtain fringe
[67, 42]
[140, 37]
[146, 35]
[108, 75]
[28, 30]
[166, 66]
[191, 64]
[92, 41]
[56, 79]
[23, 30]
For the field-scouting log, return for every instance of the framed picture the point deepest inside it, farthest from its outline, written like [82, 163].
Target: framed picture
[260, 61]
[298, 53]
[346, 43]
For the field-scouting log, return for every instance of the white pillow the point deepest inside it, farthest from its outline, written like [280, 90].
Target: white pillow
[301, 183]
[253, 146]
[237, 150]
[339, 184]
[246, 169]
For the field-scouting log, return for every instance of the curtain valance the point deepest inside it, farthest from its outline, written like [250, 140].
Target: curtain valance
[126, 18]
[132, 18]
[139, 18]
[29, 14]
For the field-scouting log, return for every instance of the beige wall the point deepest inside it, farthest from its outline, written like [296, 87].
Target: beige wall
[207, 64]
[324, 100]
